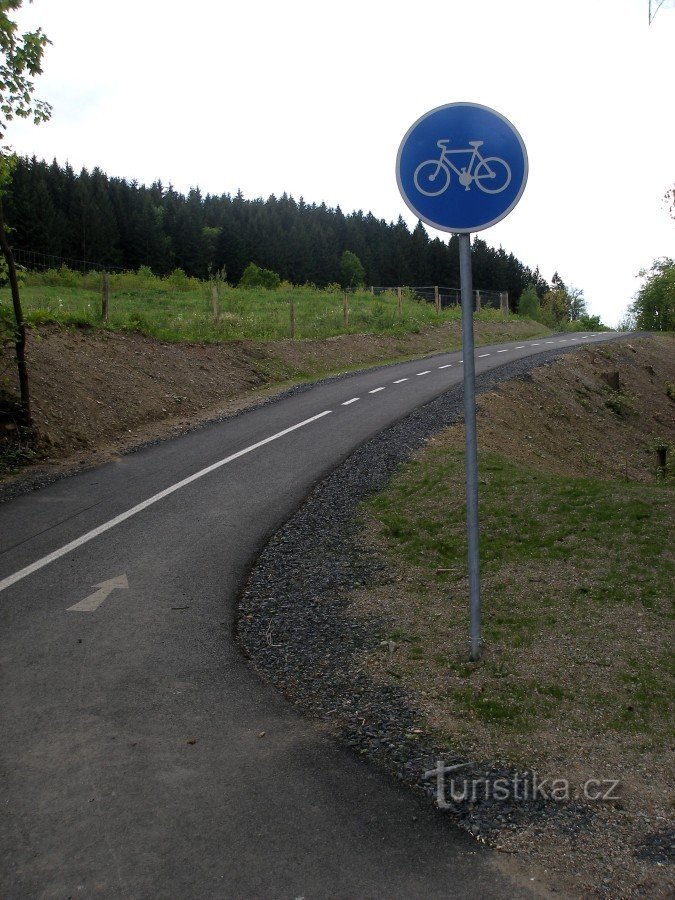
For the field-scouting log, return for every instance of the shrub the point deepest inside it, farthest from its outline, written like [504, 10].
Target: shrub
[620, 404]
[529, 305]
[351, 271]
[654, 306]
[179, 281]
[255, 277]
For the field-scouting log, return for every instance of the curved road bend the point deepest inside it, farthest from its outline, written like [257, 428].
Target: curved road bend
[134, 762]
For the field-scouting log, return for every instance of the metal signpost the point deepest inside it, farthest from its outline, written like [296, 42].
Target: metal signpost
[460, 168]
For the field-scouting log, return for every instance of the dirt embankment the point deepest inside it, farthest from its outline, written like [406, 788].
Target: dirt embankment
[96, 392]
[600, 413]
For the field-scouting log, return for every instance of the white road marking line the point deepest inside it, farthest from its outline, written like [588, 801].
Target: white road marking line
[549, 342]
[353, 400]
[519, 348]
[95, 532]
[481, 355]
[535, 345]
[446, 366]
[502, 351]
[428, 372]
[105, 589]
[562, 342]
[461, 361]
[400, 381]
[376, 390]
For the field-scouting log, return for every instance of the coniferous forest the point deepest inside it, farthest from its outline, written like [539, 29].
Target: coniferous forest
[120, 224]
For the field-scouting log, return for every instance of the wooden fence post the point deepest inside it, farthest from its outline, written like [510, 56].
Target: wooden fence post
[437, 299]
[105, 296]
[504, 302]
[478, 306]
[345, 310]
[662, 460]
[291, 308]
[399, 302]
[372, 290]
[215, 302]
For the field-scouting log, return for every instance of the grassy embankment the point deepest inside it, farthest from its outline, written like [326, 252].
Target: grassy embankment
[178, 308]
[561, 558]
[577, 562]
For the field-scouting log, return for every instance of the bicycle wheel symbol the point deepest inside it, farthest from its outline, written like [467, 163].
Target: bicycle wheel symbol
[492, 175]
[431, 179]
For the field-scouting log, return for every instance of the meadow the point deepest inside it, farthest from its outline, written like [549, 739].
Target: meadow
[179, 308]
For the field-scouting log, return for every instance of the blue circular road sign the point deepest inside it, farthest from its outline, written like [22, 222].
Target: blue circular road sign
[461, 167]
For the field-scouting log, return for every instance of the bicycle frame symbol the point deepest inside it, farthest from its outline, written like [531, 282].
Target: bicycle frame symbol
[490, 174]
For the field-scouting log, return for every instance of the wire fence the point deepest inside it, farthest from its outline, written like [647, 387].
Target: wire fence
[36, 261]
[442, 297]
[446, 297]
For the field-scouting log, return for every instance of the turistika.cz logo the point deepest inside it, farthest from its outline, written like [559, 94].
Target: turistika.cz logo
[519, 787]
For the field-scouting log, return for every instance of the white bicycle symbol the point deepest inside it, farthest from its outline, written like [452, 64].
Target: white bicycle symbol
[490, 174]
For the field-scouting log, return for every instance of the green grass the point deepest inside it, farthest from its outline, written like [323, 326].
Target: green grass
[177, 308]
[585, 559]
[525, 514]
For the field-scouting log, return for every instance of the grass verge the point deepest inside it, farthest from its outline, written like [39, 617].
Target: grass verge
[577, 575]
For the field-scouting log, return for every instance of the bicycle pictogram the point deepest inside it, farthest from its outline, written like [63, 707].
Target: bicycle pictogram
[490, 174]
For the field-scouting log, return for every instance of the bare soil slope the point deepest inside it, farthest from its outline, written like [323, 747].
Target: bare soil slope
[600, 412]
[99, 392]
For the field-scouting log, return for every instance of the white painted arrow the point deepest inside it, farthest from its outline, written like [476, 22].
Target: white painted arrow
[105, 588]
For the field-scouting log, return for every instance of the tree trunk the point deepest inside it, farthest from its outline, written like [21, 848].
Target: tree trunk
[20, 324]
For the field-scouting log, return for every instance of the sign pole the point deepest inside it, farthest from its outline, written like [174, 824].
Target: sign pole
[471, 441]
[461, 168]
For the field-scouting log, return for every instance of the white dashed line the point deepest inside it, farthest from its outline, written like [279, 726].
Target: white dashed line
[400, 381]
[481, 355]
[428, 372]
[549, 342]
[562, 342]
[502, 351]
[534, 345]
[353, 400]
[376, 390]
[520, 348]
[446, 366]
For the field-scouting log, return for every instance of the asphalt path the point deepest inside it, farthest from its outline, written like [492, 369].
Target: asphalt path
[140, 755]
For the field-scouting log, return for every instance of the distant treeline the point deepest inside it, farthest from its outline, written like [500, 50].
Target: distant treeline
[92, 216]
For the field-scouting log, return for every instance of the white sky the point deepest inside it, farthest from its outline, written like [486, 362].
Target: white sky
[313, 99]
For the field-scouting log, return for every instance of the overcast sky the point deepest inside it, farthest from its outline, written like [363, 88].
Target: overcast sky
[313, 99]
